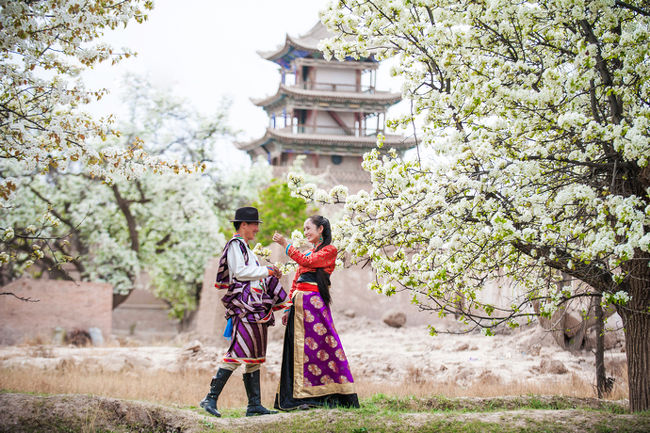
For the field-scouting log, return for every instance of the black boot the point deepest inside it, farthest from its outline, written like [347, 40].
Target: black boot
[252, 385]
[209, 403]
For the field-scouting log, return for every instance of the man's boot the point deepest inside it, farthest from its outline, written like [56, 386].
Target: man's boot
[209, 403]
[252, 385]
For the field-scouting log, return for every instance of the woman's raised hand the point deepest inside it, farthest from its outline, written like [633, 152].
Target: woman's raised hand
[279, 239]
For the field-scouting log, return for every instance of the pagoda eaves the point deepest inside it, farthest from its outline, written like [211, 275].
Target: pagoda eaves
[296, 47]
[278, 141]
[298, 97]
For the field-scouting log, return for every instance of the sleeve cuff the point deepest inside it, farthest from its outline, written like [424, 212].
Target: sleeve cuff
[286, 250]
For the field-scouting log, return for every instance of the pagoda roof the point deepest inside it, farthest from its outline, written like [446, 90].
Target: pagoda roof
[296, 92]
[324, 143]
[299, 46]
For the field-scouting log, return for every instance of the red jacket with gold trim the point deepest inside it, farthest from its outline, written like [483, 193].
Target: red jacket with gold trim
[308, 262]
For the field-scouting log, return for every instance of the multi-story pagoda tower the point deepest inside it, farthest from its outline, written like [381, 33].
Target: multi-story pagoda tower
[330, 111]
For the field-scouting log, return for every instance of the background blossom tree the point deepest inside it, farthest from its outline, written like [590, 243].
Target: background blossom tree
[44, 47]
[162, 225]
[538, 117]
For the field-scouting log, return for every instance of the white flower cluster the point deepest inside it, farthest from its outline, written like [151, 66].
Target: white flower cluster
[298, 239]
[541, 155]
[45, 45]
[166, 224]
[44, 128]
[8, 234]
[287, 268]
[262, 251]
[618, 298]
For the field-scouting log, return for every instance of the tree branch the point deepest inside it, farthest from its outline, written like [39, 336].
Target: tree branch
[19, 297]
[626, 5]
[615, 104]
[130, 220]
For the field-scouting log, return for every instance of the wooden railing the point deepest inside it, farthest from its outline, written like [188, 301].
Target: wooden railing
[336, 87]
[328, 130]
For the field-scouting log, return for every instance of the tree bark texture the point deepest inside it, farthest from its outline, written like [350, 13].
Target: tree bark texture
[637, 346]
[601, 374]
[636, 319]
[125, 207]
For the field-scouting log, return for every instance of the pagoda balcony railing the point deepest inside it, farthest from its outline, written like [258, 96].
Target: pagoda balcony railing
[335, 87]
[330, 130]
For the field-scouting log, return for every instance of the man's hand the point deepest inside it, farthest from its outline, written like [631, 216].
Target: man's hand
[275, 271]
[279, 239]
[285, 318]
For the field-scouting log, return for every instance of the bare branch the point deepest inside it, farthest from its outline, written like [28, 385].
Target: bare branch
[19, 297]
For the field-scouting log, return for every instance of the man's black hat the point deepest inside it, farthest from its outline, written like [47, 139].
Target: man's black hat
[246, 214]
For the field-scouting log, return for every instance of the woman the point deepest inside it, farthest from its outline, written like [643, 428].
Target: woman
[315, 371]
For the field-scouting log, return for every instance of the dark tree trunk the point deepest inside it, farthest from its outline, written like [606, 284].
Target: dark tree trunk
[601, 375]
[637, 346]
[636, 319]
[125, 207]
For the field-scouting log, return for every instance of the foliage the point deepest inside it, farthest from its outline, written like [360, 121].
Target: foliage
[160, 227]
[279, 211]
[44, 47]
[538, 117]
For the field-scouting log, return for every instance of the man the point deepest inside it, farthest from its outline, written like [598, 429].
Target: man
[253, 292]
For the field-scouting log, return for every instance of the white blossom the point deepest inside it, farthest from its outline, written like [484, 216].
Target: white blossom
[8, 234]
[260, 250]
[537, 153]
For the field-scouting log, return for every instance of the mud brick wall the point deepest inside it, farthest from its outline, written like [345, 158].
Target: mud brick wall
[67, 304]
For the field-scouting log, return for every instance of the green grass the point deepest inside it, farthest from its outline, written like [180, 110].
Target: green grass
[378, 414]
[345, 422]
[445, 404]
[389, 414]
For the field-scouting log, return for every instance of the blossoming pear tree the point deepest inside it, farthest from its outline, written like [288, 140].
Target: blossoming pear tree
[164, 226]
[537, 114]
[44, 47]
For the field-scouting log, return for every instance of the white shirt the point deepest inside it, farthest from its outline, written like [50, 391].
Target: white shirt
[242, 272]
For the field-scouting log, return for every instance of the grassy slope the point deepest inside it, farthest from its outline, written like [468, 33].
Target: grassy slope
[531, 414]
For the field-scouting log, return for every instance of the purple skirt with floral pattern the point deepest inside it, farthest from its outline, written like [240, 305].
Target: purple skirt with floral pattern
[315, 370]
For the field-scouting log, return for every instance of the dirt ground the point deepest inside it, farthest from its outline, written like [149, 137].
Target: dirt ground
[377, 353]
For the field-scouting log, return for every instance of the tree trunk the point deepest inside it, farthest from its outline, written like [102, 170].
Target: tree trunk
[601, 374]
[636, 319]
[125, 207]
[637, 346]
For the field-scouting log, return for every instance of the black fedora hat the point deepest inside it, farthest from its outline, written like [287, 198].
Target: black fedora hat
[246, 214]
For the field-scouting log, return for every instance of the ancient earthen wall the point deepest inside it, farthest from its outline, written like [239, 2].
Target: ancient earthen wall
[209, 320]
[67, 304]
[144, 316]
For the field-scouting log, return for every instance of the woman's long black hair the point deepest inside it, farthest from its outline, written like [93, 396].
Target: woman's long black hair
[322, 277]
